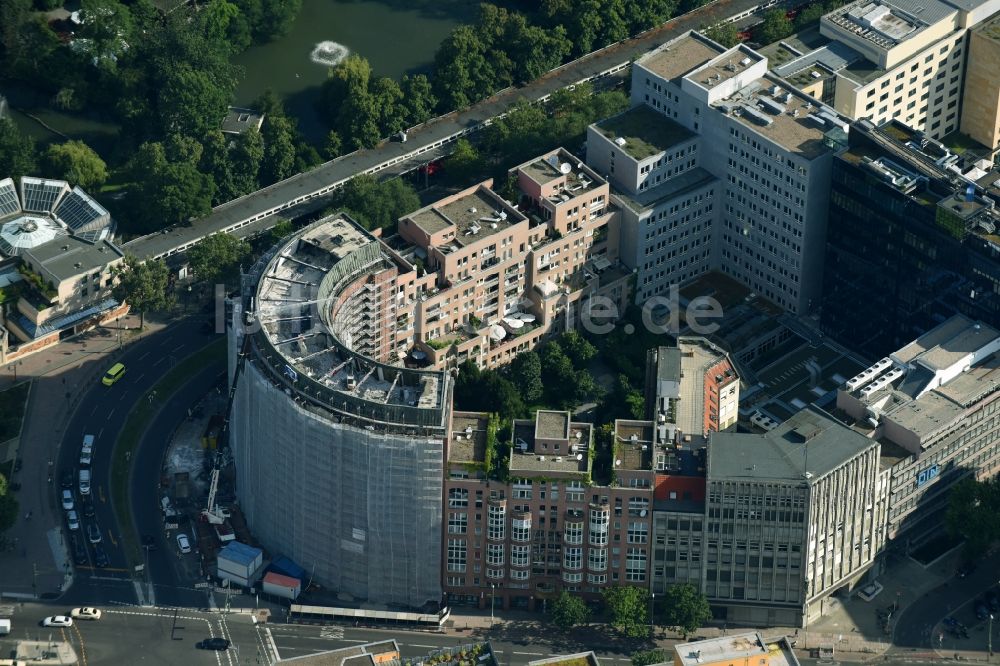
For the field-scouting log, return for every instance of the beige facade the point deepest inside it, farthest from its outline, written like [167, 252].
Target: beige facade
[981, 103]
[499, 276]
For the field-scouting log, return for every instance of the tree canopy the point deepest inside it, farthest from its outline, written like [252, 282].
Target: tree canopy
[687, 609]
[649, 657]
[377, 204]
[17, 151]
[143, 285]
[628, 610]
[77, 163]
[218, 257]
[568, 611]
[974, 514]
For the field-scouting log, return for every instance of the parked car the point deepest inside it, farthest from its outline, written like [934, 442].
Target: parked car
[213, 644]
[100, 557]
[57, 621]
[183, 543]
[67, 500]
[114, 373]
[84, 481]
[94, 533]
[86, 613]
[79, 550]
[72, 521]
[87, 450]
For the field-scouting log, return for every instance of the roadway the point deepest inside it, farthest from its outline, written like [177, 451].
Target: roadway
[102, 412]
[264, 203]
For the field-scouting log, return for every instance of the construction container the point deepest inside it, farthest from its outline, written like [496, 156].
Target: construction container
[281, 586]
[286, 567]
[240, 563]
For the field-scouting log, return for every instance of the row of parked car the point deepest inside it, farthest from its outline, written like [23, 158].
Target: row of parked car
[85, 507]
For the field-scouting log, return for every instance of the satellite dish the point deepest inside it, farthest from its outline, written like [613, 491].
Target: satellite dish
[642, 513]
[565, 167]
[579, 456]
[618, 463]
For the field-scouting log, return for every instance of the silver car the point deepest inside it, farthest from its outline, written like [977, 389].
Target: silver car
[67, 500]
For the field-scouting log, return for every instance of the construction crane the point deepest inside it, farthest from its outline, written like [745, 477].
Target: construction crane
[212, 513]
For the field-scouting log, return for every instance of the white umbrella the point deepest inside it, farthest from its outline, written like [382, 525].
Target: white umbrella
[527, 317]
[498, 333]
[513, 323]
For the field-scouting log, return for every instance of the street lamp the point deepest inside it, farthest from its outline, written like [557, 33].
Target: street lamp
[989, 640]
[652, 614]
[493, 588]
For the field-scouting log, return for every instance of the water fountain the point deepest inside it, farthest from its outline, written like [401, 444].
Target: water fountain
[329, 54]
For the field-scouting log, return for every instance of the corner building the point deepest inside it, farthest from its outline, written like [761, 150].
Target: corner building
[339, 457]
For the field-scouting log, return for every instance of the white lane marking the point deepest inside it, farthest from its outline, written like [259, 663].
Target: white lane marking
[533, 654]
[143, 356]
[139, 378]
[110, 414]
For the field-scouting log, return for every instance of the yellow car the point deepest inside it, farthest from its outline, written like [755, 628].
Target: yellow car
[116, 372]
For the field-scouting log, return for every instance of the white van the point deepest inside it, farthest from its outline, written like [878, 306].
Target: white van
[4, 627]
[84, 481]
[87, 450]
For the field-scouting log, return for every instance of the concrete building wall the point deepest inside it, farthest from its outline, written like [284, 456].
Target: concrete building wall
[981, 103]
[359, 509]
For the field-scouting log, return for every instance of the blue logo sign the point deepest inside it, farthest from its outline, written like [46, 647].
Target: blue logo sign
[927, 475]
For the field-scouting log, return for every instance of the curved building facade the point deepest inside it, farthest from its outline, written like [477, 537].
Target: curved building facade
[339, 457]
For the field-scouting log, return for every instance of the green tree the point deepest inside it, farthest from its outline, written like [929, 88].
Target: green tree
[463, 69]
[280, 230]
[143, 285]
[774, 27]
[76, 162]
[218, 257]
[687, 609]
[108, 25]
[334, 146]
[15, 16]
[193, 101]
[246, 157]
[270, 19]
[216, 163]
[557, 374]
[577, 347]
[8, 506]
[378, 204]
[170, 187]
[628, 610]
[278, 160]
[17, 151]
[568, 611]
[649, 657]
[418, 98]
[526, 373]
[222, 22]
[388, 99]
[464, 161]
[724, 33]
[974, 514]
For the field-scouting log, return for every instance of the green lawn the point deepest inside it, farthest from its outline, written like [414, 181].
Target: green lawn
[137, 423]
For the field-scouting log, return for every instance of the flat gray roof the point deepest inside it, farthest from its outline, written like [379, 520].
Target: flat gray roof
[946, 344]
[810, 441]
[645, 132]
[678, 186]
[69, 256]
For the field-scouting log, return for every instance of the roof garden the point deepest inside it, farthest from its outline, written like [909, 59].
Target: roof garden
[643, 133]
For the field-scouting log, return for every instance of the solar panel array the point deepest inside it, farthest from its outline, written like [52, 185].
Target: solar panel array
[9, 203]
[41, 195]
[77, 210]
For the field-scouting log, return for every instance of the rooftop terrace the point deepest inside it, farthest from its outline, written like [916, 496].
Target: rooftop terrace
[297, 287]
[786, 116]
[476, 215]
[561, 165]
[680, 56]
[634, 444]
[645, 132]
[550, 443]
[468, 437]
[738, 648]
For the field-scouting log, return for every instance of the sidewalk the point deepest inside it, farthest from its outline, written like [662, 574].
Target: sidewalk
[38, 563]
